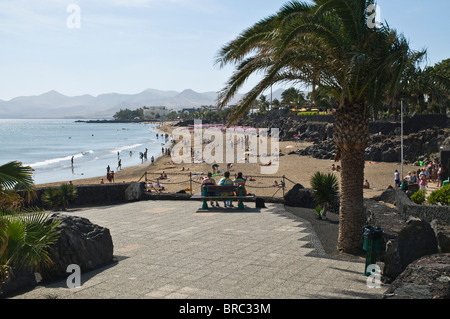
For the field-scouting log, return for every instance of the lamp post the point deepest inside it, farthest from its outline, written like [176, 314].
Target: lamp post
[271, 97]
[401, 147]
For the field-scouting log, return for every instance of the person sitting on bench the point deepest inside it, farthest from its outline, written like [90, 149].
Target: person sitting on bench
[240, 181]
[226, 181]
[210, 181]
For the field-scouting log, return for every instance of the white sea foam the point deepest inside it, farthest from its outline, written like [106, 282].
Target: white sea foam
[124, 148]
[59, 159]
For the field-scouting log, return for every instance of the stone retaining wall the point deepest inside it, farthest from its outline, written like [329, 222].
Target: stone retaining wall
[100, 194]
[110, 194]
[427, 213]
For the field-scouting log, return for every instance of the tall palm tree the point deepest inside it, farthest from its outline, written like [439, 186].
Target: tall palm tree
[409, 83]
[327, 44]
[438, 84]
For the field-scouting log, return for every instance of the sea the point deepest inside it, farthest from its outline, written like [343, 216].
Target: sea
[48, 146]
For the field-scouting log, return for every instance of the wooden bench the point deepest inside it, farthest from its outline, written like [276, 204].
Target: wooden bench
[219, 190]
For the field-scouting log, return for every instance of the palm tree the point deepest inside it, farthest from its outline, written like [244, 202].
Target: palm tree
[51, 198]
[13, 177]
[66, 194]
[325, 190]
[24, 241]
[438, 84]
[24, 236]
[326, 44]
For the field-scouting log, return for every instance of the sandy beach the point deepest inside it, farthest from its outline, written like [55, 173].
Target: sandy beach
[296, 169]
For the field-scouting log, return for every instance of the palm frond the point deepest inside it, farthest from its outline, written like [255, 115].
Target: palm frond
[29, 236]
[13, 174]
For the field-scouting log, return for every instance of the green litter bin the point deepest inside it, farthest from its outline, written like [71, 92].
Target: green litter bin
[373, 242]
[445, 183]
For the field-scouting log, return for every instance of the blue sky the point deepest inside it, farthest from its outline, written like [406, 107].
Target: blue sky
[127, 46]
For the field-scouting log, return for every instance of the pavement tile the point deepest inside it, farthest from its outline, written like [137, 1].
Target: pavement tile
[167, 249]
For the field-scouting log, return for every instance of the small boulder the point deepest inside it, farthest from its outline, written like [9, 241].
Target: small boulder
[442, 232]
[425, 278]
[415, 240]
[80, 242]
[133, 192]
[298, 196]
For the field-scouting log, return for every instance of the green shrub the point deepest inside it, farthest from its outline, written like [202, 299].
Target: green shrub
[434, 107]
[419, 197]
[440, 196]
[318, 211]
[67, 193]
[50, 198]
[54, 197]
[311, 113]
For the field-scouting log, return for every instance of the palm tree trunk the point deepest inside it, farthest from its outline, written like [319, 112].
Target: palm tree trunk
[351, 212]
[351, 135]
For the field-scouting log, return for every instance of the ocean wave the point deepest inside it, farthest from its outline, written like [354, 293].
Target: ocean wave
[124, 148]
[59, 159]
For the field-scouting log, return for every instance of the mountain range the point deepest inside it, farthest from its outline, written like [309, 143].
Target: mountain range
[53, 104]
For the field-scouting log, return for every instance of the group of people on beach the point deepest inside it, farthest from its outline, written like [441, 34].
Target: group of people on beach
[432, 173]
[109, 175]
[335, 168]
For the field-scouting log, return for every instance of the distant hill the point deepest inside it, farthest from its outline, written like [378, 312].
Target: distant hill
[56, 105]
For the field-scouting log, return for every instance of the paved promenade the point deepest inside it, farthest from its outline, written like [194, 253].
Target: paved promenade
[171, 249]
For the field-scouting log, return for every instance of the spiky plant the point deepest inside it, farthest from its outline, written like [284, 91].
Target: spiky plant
[67, 193]
[24, 241]
[51, 198]
[325, 189]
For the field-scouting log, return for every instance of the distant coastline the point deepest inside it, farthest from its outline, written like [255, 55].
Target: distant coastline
[120, 121]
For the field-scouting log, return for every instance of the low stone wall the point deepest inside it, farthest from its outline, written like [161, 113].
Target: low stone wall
[110, 194]
[427, 213]
[100, 194]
